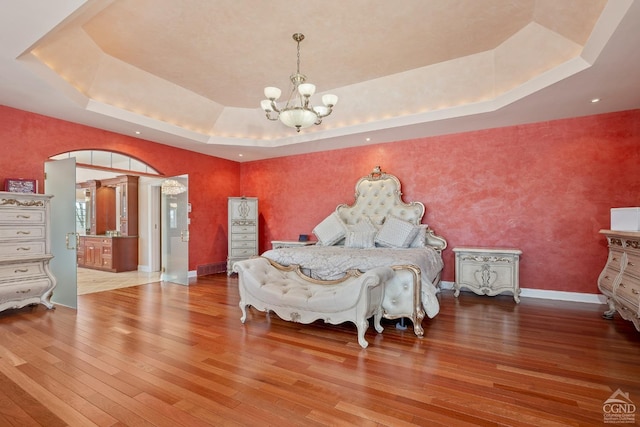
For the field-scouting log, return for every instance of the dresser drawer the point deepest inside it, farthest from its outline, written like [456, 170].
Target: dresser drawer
[614, 259]
[606, 279]
[629, 290]
[243, 229]
[22, 216]
[22, 248]
[633, 264]
[238, 237]
[243, 244]
[243, 252]
[24, 290]
[19, 271]
[22, 232]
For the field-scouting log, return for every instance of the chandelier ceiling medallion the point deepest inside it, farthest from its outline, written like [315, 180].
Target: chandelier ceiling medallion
[297, 112]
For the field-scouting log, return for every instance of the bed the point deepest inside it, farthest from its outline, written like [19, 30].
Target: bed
[378, 230]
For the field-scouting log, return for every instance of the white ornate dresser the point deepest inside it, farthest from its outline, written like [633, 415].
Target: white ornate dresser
[620, 278]
[488, 271]
[25, 250]
[243, 230]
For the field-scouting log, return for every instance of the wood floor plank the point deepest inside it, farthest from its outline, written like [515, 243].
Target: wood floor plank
[163, 354]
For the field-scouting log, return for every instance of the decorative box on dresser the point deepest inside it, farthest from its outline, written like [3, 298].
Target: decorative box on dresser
[243, 230]
[620, 278]
[488, 271]
[25, 250]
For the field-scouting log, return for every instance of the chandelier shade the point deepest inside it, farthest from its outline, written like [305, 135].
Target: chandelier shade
[298, 112]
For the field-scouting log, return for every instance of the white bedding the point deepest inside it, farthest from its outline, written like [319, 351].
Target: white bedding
[331, 262]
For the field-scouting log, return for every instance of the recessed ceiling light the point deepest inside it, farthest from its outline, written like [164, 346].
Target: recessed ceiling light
[594, 100]
[137, 132]
[368, 139]
[240, 155]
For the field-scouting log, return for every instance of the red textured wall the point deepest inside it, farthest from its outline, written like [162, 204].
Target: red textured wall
[545, 188]
[28, 140]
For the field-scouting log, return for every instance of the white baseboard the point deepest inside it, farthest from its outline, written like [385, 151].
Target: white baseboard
[548, 294]
[147, 269]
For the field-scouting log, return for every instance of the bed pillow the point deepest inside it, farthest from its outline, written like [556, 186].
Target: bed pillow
[396, 233]
[360, 239]
[420, 241]
[330, 231]
[364, 225]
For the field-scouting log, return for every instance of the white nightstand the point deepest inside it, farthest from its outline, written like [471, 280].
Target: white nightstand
[276, 244]
[488, 271]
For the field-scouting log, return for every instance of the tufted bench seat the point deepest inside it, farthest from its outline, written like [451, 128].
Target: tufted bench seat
[268, 286]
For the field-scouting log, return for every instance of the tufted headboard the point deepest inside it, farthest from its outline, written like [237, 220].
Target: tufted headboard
[377, 196]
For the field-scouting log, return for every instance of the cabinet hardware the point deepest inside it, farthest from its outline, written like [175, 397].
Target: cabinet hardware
[22, 248]
[23, 216]
[23, 232]
[20, 270]
[23, 291]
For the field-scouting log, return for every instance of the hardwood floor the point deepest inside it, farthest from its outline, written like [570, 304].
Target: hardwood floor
[169, 355]
[90, 281]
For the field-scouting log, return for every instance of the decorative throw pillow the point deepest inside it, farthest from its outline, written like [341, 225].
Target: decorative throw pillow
[330, 231]
[420, 241]
[360, 239]
[396, 233]
[364, 225]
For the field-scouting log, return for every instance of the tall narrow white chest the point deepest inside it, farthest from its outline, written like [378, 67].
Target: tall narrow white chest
[243, 230]
[25, 250]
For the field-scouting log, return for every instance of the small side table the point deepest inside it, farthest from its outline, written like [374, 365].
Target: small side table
[488, 271]
[277, 244]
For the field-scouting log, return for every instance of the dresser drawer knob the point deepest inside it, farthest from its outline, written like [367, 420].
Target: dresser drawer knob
[23, 232]
[23, 216]
[22, 248]
[23, 291]
[20, 270]
[631, 264]
[635, 291]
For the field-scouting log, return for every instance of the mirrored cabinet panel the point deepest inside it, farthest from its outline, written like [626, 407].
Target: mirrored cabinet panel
[107, 221]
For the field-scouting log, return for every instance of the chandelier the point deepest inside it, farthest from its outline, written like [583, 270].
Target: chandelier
[297, 112]
[172, 187]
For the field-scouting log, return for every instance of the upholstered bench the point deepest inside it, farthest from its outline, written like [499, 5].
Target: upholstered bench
[268, 286]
